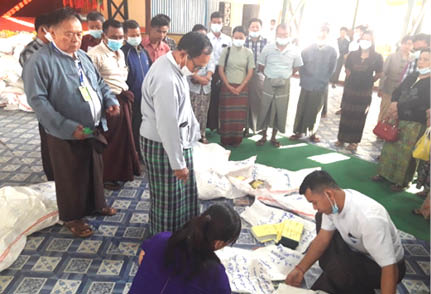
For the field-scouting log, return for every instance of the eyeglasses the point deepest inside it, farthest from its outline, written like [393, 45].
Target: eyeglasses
[195, 67]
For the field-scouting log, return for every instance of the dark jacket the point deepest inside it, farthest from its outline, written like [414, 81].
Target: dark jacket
[413, 97]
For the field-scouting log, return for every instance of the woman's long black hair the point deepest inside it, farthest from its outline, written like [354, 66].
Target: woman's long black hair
[190, 250]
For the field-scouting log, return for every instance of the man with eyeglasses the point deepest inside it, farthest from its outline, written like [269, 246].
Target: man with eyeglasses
[71, 102]
[121, 161]
[168, 130]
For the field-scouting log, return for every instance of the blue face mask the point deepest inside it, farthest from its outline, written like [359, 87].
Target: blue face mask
[334, 206]
[424, 71]
[97, 34]
[115, 45]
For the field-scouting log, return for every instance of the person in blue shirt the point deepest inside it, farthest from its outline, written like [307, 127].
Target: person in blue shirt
[184, 262]
[138, 62]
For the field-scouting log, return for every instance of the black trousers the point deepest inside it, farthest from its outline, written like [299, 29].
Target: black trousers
[346, 271]
[212, 119]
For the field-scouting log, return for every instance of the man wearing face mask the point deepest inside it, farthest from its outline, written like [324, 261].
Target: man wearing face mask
[138, 62]
[169, 128]
[357, 244]
[94, 37]
[218, 41]
[278, 61]
[70, 100]
[256, 42]
[420, 42]
[120, 158]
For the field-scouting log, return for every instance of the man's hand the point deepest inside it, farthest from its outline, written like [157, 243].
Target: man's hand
[182, 174]
[113, 110]
[79, 133]
[295, 277]
[233, 90]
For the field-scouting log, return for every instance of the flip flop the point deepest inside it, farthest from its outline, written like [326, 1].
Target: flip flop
[352, 147]
[79, 228]
[275, 143]
[108, 211]
[295, 137]
[261, 142]
[314, 139]
[377, 178]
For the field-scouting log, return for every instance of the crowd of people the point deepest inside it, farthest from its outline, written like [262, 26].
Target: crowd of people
[113, 102]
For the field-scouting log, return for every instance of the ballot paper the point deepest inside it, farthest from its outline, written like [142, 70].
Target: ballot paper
[259, 214]
[286, 289]
[329, 158]
[253, 271]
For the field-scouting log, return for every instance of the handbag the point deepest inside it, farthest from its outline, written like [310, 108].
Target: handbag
[386, 131]
[422, 148]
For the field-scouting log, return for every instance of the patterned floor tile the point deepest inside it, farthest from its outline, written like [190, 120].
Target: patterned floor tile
[46, 264]
[127, 193]
[124, 248]
[139, 218]
[134, 232]
[30, 286]
[89, 246]
[121, 204]
[425, 266]
[133, 269]
[110, 267]
[20, 262]
[107, 231]
[59, 245]
[66, 287]
[4, 283]
[127, 288]
[78, 265]
[415, 286]
[101, 288]
[143, 205]
[118, 218]
[416, 250]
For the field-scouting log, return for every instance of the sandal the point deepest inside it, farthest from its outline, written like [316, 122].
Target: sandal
[314, 139]
[377, 178]
[339, 144]
[79, 228]
[352, 147]
[295, 137]
[108, 211]
[114, 186]
[397, 188]
[261, 142]
[204, 140]
[417, 211]
[275, 143]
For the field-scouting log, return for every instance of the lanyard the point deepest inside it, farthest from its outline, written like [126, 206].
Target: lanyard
[80, 71]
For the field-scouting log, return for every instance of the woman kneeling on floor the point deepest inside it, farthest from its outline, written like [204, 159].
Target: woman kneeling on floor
[184, 261]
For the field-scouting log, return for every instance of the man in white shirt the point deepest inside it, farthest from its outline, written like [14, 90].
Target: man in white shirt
[357, 245]
[218, 41]
[121, 162]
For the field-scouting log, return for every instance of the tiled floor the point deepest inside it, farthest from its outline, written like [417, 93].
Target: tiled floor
[55, 262]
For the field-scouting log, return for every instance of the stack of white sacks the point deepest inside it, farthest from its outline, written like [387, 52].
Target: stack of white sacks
[11, 86]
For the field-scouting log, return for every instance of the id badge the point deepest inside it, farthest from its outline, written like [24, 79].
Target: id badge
[85, 93]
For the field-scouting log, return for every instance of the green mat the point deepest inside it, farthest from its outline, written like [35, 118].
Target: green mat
[354, 174]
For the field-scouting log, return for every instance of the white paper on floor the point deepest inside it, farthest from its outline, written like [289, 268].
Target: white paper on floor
[24, 210]
[259, 214]
[286, 289]
[329, 158]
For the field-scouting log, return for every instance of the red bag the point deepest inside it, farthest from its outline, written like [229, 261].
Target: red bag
[386, 131]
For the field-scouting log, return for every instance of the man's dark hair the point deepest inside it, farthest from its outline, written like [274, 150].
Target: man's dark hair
[95, 16]
[199, 27]
[316, 181]
[62, 14]
[406, 38]
[195, 44]
[216, 14]
[363, 28]
[42, 20]
[344, 29]
[254, 20]
[130, 24]
[422, 37]
[238, 29]
[160, 20]
[111, 23]
[282, 26]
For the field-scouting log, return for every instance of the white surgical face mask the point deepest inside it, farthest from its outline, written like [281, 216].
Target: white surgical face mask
[216, 28]
[254, 34]
[134, 41]
[365, 44]
[282, 41]
[334, 206]
[186, 71]
[424, 71]
[48, 35]
[238, 42]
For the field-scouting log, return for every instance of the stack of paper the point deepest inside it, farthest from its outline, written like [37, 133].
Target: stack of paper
[287, 233]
